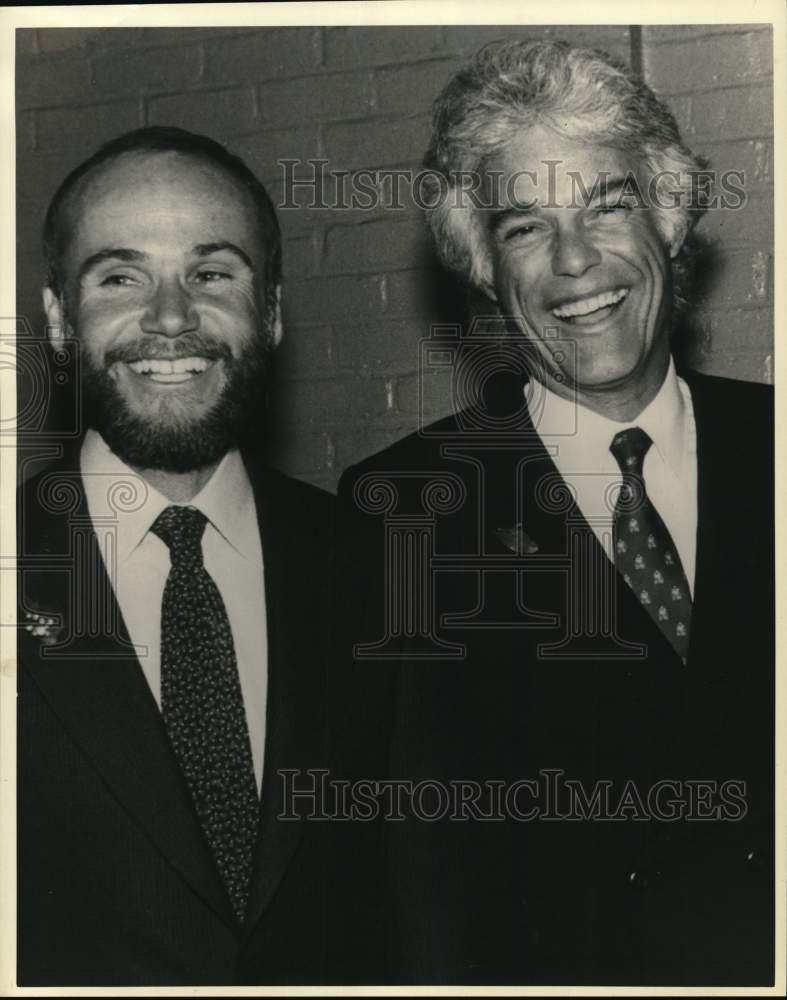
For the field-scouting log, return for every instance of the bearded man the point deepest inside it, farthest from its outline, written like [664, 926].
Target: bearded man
[171, 592]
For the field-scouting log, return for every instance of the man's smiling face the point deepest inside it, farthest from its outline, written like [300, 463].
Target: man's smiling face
[597, 274]
[163, 286]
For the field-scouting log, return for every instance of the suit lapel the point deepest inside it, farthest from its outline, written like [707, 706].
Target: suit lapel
[549, 518]
[680, 697]
[293, 559]
[723, 508]
[95, 685]
[604, 662]
[726, 511]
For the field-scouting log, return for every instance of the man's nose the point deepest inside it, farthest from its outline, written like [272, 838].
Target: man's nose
[170, 311]
[574, 253]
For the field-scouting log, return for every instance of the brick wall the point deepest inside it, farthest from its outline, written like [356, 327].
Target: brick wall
[718, 82]
[361, 287]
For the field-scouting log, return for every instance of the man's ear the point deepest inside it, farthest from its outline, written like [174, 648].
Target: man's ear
[482, 275]
[277, 325]
[488, 288]
[680, 230]
[55, 318]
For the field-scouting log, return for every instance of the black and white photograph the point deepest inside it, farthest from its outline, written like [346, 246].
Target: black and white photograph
[389, 499]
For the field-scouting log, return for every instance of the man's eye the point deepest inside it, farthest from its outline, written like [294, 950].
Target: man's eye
[520, 231]
[212, 276]
[118, 280]
[620, 206]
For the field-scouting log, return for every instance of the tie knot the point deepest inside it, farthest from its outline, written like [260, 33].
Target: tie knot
[629, 448]
[181, 530]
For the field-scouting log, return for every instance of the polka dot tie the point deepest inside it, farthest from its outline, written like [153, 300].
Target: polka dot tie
[645, 553]
[202, 704]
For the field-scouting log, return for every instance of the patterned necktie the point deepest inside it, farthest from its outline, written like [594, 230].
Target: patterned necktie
[645, 553]
[202, 704]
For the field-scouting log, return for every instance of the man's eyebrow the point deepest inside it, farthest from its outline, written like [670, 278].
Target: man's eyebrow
[112, 253]
[605, 187]
[206, 249]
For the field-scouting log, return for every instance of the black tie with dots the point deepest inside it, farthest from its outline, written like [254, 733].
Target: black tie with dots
[645, 553]
[202, 704]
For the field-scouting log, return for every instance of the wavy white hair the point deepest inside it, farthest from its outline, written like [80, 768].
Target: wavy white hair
[580, 93]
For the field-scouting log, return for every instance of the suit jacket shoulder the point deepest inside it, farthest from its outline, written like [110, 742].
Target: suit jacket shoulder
[305, 509]
[417, 450]
[48, 498]
[285, 491]
[719, 387]
[745, 402]
[743, 411]
[735, 432]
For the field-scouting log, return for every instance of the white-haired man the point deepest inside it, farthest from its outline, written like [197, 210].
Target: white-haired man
[590, 658]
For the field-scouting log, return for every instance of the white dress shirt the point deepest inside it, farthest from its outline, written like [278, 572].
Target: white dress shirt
[578, 441]
[138, 563]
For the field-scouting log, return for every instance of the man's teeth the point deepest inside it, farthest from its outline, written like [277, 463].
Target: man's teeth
[585, 306]
[179, 366]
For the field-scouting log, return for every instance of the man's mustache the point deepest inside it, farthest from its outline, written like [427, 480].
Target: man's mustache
[166, 349]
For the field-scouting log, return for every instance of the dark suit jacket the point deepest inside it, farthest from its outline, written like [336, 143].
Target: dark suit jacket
[637, 900]
[116, 883]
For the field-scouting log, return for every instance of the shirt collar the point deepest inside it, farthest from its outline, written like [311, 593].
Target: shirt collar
[228, 502]
[117, 496]
[583, 435]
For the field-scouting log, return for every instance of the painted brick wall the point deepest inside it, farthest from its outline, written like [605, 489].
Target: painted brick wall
[718, 82]
[361, 288]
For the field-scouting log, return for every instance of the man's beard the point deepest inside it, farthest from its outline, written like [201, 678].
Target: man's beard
[167, 440]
